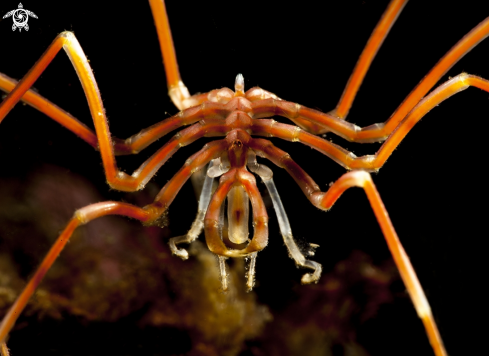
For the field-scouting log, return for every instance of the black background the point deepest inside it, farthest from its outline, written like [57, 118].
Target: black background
[433, 186]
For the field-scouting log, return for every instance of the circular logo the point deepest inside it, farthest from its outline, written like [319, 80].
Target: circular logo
[20, 17]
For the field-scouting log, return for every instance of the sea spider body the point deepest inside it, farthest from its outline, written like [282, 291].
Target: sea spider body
[369, 119]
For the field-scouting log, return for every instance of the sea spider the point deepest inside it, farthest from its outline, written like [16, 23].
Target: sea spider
[323, 94]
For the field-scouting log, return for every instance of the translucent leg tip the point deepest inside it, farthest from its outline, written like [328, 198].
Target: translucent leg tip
[249, 287]
[180, 252]
[223, 273]
[183, 254]
[309, 278]
[250, 276]
[250, 282]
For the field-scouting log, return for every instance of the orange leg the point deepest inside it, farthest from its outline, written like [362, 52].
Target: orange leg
[131, 145]
[317, 122]
[74, 51]
[117, 179]
[461, 48]
[179, 92]
[258, 94]
[194, 163]
[81, 217]
[325, 200]
[150, 214]
[282, 159]
[351, 132]
[365, 60]
[374, 42]
[322, 123]
[176, 89]
[363, 180]
[340, 155]
[46, 107]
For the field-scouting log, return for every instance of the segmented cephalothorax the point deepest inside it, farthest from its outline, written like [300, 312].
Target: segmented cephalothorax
[240, 118]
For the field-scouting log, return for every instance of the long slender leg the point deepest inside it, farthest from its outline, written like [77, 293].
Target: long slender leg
[176, 89]
[57, 114]
[145, 137]
[371, 162]
[131, 145]
[325, 200]
[380, 131]
[374, 42]
[283, 221]
[81, 217]
[319, 122]
[259, 94]
[179, 93]
[461, 48]
[272, 128]
[116, 179]
[68, 41]
[266, 149]
[363, 180]
[150, 214]
[443, 92]
[141, 176]
[351, 132]
[196, 162]
[198, 224]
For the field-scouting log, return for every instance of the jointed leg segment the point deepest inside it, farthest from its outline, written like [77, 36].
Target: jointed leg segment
[198, 224]
[176, 89]
[115, 177]
[363, 180]
[81, 217]
[374, 42]
[46, 107]
[147, 215]
[325, 200]
[267, 127]
[321, 122]
[266, 175]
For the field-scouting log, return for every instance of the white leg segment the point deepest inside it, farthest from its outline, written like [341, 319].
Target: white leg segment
[224, 274]
[250, 276]
[266, 175]
[198, 224]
